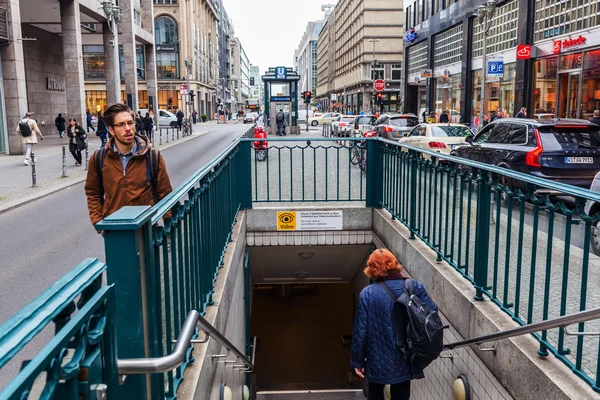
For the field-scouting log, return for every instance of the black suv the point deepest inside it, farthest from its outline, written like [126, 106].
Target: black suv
[565, 150]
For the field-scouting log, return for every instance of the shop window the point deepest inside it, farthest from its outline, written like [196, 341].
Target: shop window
[570, 61]
[591, 84]
[544, 92]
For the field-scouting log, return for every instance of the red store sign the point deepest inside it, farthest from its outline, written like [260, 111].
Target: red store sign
[567, 44]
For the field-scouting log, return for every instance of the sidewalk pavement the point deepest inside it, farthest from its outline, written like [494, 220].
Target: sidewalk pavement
[16, 178]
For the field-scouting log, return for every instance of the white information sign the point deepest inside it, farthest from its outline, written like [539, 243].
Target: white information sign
[309, 220]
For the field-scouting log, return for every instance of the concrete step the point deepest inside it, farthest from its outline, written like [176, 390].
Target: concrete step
[342, 394]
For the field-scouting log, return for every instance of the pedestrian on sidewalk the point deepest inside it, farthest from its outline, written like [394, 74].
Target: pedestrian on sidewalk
[77, 136]
[376, 355]
[194, 116]
[179, 116]
[60, 123]
[29, 131]
[139, 123]
[522, 113]
[102, 130]
[128, 171]
[280, 121]
[596, 118]
[148, 124]
[89, 122]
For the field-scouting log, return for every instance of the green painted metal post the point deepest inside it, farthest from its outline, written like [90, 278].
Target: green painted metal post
[130, 268]
[374, 175]
[413, 193]
[482, 236]
[245, 175]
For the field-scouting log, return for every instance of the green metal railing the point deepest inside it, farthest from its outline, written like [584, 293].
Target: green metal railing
[79, 361]
[505, 241]
[166, 259]
[314, 170]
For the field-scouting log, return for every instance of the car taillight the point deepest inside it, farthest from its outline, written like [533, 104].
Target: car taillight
[388, 129]
[342, 124]
[532, 158]
[369, 134]
[355, 126]
[437, 145]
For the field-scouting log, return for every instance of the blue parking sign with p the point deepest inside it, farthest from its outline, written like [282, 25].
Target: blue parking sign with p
[495, 68]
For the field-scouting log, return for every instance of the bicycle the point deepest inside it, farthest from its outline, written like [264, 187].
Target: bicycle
[187, 127]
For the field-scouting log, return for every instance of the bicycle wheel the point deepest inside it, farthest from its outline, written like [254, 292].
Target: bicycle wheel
[354, 155]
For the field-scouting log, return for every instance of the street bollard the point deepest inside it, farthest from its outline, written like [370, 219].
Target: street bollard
[173, 134]
[64, 164]
[33, 175]
[87, 156]
[167, 135]
[178, 130]
[160, 137]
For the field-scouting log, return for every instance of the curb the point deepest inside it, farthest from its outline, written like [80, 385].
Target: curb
[29, 199]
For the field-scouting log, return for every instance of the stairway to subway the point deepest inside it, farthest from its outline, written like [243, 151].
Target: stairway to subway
[341, 394]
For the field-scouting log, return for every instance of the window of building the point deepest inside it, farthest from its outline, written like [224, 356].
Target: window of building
[139, 59]
[502, 32]
[417, 59]
[164, 1]
[167, 51]
[448, 47]
[377, 72]
[396, 72]
[409, 21]
[544, 92]
[93, 62]
[560, 17]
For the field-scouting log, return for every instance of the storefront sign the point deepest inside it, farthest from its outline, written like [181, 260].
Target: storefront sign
[523, 52]
[54, 84]
[568, 44]
[427, 73]
[163, 47]
[309, 220]
[410, 36]
[281, 98]
[495, 67]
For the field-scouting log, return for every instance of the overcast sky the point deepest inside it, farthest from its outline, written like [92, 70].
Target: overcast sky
[270, 30]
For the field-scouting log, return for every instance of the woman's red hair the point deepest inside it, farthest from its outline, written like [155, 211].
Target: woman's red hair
[382, 263]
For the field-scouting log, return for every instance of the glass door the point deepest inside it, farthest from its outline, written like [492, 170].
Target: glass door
[569, 93]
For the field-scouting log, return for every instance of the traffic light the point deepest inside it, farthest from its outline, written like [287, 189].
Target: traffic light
[170, 101]
[303, 95]
[378, 97]
[192, 95]
[307, 96]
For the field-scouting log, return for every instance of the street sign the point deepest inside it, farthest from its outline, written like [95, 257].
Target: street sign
[495, 68]
[183, 89]
[427, 73]
[379, 85]
[523, 52]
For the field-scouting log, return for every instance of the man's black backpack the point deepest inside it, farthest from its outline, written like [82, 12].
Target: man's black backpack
[419, 329]
[151, 170]
[279, 117]
[24, 128]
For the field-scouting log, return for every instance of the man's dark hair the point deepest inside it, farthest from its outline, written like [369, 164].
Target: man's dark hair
[109, 114]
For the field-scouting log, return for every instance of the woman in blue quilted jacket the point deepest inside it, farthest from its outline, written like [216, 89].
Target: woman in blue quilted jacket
[375, 355]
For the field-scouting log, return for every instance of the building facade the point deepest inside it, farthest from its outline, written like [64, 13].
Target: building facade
[224, 35]
[256, 100]
[305, 57]
[186, 50]
[54, 52]
[240, 75]
[362, 41]
[557, 70]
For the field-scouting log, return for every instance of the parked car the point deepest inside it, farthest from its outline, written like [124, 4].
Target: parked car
[565, 151]
[325, 119]
[437, 137]
[395, 126]
[165, 118]
[250, 117]
[543, 116]
[342, 126]
[363, 123]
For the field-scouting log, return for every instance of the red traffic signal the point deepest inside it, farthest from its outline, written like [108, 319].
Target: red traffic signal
[307, 95]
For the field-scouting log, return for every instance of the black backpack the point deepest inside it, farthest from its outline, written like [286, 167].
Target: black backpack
[419, 329]
[24, 128]
[151, 170]
[279, 117]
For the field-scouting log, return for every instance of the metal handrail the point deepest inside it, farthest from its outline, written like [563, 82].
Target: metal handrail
[561, 322]
[178, 356]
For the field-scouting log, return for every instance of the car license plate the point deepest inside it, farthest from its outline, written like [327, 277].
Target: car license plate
[579, 160]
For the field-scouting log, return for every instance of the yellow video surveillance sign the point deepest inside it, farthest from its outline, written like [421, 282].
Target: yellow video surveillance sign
[309, 220]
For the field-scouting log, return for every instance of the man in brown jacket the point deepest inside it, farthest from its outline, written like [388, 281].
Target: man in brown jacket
[124, 180]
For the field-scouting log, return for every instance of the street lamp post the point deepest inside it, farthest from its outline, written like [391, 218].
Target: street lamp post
[188, 65]
[484, 16]
[112, 13]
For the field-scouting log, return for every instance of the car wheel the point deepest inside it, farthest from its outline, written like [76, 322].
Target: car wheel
[507, 182]
[595, 239]
[314, 123]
